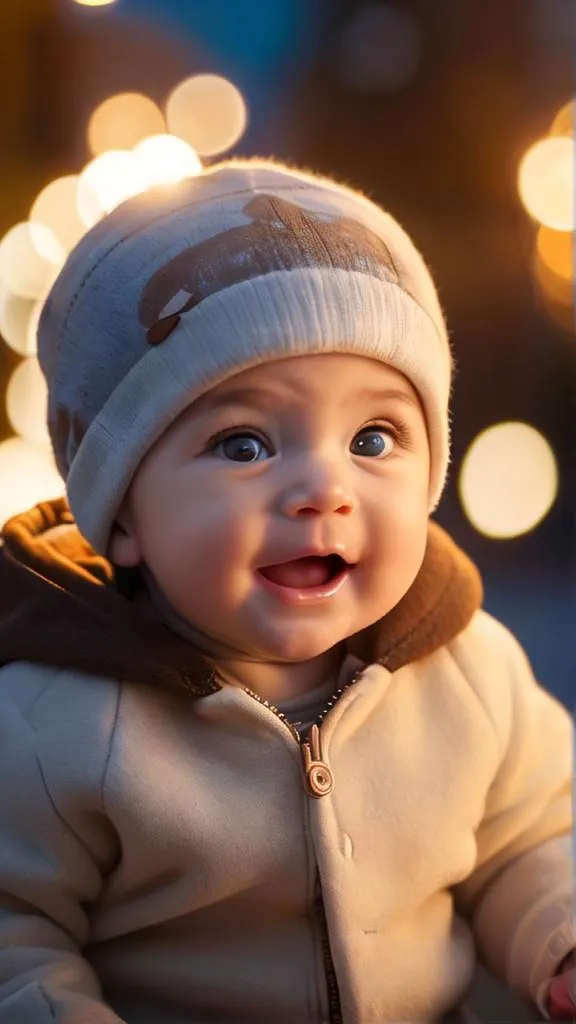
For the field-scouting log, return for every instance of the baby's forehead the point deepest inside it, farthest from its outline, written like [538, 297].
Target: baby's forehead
[319, 379]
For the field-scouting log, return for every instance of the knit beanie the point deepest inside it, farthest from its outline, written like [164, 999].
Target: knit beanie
[182, 287]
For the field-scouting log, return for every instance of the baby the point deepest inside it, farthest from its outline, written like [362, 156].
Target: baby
[263, 757]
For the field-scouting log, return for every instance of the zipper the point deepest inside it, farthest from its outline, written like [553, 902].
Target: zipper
[319, 781]
[318, 777]
[275, 711]
[334, 1004]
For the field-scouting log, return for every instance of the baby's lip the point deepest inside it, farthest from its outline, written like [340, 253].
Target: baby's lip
[312, 552]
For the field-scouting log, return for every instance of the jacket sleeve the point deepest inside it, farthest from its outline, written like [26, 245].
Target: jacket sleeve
[519, 899]
[50, 869]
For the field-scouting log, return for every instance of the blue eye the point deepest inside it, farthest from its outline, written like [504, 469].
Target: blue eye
[241, 447]
[374, 441]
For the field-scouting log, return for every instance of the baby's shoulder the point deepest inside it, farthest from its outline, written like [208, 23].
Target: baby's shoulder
[61, 717]
[32, 689]
[486, 641]
[496, 668]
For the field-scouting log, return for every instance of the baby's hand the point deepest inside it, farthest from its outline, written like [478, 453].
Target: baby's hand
[561, 1001]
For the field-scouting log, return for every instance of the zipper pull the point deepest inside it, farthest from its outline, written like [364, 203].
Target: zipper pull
[319, 778]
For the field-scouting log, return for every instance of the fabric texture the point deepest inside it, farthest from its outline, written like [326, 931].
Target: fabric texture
[183, 287]
[186, 874]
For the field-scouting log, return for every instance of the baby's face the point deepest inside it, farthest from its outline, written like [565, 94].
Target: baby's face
[326, 451]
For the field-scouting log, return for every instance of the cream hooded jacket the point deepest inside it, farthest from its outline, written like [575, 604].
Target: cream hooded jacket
[172, 853]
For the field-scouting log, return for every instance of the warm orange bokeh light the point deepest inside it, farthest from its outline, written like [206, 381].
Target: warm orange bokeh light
[95, 3]
[27, 402]
[558, 289]
[508, 480]
[28, 475]
[546, 182]
[209, 112]
[123, 120]
[563, 123]
[555, 249]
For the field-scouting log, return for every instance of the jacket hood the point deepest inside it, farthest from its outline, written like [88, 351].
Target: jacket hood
[63, 605]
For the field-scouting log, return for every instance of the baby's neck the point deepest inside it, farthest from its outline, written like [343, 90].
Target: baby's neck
[279, 681]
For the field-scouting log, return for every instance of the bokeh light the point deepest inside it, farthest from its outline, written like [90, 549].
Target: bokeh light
[123, 120]
[555, 249]
[57, 207]
[30, 257]
[553, 272]
[95, 3]
[208, 112]
[18, 322]
[557, 288]
[546, 182]
[28, 475]
[508, 480]
[380, 48]
[106, 182]
[563, 123]
[27, 402]
[165, 160]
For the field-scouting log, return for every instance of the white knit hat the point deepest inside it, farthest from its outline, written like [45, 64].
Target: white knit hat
[180, 288]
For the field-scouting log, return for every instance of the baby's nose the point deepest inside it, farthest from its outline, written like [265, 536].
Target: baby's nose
[321, 494]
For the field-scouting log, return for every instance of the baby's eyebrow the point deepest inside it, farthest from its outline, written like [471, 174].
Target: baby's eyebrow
[266, 399]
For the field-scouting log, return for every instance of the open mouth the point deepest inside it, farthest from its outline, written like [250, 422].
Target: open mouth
[310, 571]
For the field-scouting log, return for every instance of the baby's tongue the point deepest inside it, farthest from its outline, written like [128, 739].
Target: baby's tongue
[302, 572]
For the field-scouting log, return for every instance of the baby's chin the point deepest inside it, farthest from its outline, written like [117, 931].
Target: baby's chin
[278, 647]
[273, 654]
[294, 649]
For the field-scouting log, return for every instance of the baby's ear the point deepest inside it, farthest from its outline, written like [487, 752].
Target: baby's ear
[123, 548]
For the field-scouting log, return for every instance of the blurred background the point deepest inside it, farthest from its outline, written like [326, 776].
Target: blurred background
[456, 116]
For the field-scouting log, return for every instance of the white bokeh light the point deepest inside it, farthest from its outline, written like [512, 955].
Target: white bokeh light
[106, 182]
[28, 475]
[32, 330]
[18, 319]
[27, 402]
[508, 480]
[30, 257]
[57, 207]
[207, 111]
[165, 160]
